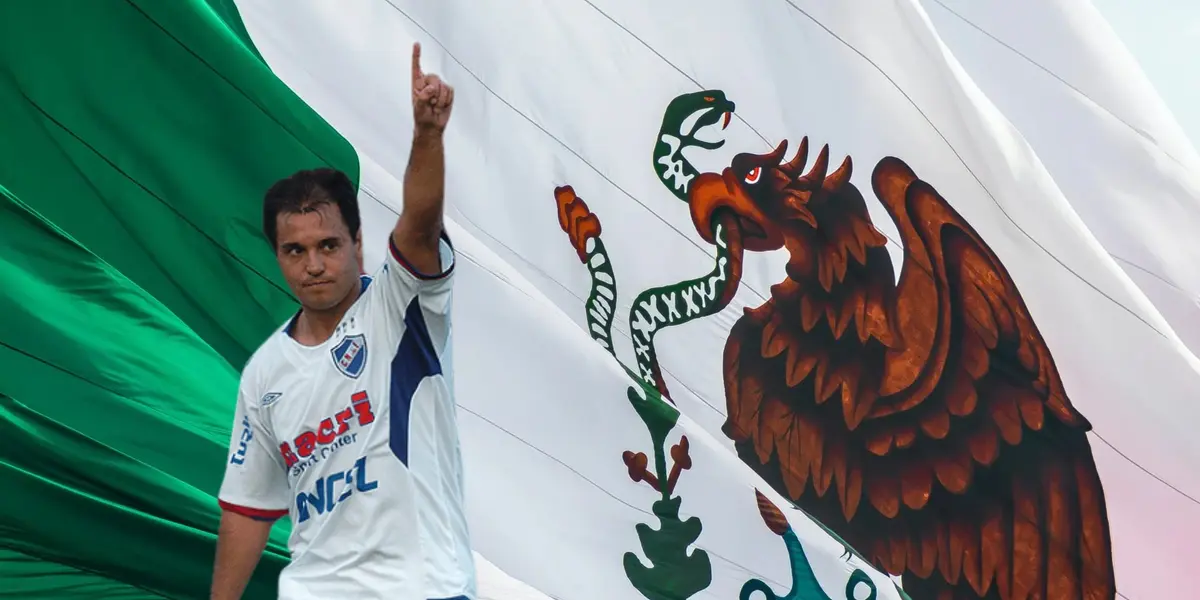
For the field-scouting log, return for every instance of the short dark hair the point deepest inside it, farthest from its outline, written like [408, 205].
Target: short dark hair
[306, 189]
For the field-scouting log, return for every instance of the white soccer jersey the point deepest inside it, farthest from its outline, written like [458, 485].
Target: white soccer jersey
[356, 439]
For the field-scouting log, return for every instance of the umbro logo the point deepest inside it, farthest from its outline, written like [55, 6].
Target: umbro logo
[269, 398]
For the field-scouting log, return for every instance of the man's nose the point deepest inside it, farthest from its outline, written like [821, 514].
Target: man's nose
[314, 265]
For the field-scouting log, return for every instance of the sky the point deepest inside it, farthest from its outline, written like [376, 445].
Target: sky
[1164, 37]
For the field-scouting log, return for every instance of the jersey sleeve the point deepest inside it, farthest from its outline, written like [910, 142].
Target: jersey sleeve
[400, 283]
[255, 483]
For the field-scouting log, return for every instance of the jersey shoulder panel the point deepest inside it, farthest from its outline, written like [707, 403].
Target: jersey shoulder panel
[267, 362]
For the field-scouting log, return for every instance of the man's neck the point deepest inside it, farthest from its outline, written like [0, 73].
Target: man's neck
[313, 327]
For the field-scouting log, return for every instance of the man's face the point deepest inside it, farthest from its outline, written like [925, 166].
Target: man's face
[319, 259]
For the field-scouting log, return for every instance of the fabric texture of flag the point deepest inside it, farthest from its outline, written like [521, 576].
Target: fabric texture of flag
[831, 300]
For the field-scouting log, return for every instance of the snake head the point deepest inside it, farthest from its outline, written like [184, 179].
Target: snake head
[683, 121]
[689, 114]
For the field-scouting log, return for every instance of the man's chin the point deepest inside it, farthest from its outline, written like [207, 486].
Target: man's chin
[320, 300]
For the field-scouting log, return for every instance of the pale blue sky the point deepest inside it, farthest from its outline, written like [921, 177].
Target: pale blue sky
[1164, 36]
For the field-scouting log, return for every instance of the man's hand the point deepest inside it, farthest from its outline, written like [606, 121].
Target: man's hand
[432, 98]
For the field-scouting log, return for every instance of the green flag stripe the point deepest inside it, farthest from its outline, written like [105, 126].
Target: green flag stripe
[270, 279]
[317, 153]
[139, 139]
[134, 440]
[41, 578]
[163, 102]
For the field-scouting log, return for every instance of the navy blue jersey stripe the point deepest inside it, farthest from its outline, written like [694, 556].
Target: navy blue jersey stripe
[415, 360]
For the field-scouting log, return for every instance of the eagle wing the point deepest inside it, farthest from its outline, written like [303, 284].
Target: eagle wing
[975, 468]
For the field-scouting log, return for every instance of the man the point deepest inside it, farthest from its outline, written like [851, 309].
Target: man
[345, 419]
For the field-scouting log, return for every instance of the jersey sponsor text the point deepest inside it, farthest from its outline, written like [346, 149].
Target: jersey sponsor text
[329, 431]
[344, 484]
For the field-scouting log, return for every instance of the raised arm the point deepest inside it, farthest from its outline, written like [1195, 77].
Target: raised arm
[420, 224]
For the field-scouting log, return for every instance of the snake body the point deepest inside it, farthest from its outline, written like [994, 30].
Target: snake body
[658, 308]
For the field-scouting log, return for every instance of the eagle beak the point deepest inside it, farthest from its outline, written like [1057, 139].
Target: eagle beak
[712, 195]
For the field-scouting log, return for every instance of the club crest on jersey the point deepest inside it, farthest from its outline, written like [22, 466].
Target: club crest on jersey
[350, 355]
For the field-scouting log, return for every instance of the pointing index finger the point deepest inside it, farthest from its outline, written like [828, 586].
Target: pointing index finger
[416, 61]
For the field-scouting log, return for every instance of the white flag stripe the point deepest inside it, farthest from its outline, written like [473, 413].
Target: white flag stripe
[1102, 131]
[560, 93]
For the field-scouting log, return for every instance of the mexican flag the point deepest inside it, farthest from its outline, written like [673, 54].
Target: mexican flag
[797, 299]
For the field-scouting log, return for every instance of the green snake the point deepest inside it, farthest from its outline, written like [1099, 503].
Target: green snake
[657, 308]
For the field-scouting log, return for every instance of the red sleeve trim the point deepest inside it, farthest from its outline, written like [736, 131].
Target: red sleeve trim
[254, 513]
[407, 265]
